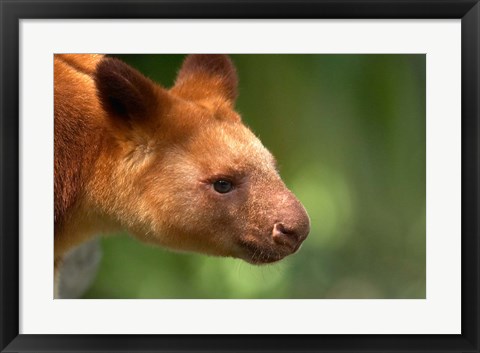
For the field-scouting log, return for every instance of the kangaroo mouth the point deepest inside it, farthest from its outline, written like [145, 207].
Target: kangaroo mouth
[256, 254]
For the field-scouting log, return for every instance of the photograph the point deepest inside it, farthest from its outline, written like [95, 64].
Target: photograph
[231, 176]
[239, 176]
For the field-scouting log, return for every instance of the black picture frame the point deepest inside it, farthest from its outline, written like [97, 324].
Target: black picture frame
[12, 11]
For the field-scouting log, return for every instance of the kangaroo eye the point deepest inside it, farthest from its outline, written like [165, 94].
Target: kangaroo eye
[222, 186]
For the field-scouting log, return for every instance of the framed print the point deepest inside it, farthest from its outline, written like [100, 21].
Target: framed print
[239, 176]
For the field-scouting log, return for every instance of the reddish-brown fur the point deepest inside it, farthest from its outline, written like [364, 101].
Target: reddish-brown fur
[130, 154]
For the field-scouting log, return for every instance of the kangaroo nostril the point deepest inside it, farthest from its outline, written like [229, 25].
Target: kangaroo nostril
[280, 228]
[284, 236]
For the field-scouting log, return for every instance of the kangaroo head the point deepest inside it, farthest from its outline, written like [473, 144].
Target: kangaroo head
[181, 169]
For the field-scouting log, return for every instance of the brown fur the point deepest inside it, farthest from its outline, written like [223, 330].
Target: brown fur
[130, 154]
[78, 117]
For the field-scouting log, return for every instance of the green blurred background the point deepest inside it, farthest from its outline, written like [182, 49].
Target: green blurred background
[348, 132]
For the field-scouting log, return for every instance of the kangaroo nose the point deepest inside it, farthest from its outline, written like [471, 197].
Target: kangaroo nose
[289, 237]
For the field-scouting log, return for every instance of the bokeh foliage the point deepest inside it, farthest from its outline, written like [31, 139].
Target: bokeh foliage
[348, 132]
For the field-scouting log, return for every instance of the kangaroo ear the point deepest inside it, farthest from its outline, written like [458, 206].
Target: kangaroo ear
[207, 75]
[124, 92]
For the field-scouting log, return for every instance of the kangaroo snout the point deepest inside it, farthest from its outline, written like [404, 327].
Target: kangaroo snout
[287, 237]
